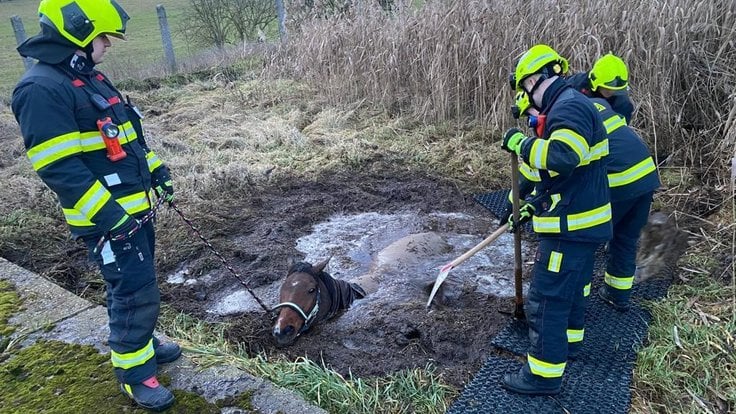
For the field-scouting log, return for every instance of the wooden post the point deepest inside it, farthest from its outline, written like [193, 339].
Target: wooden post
[166, 39]
[281, 14]
[20, 37]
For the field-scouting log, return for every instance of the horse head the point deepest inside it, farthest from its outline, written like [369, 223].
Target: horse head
[300, 298]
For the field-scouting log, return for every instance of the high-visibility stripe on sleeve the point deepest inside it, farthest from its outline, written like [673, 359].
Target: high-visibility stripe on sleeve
[555, 262]
[632, 174]
[613, 123]
[153, 161]
[93, 200]
[598, 151]
[538, 154]
[531, 174]
[573, 140]
[134, 203]
[589, 218]
[575, 335]
[545, 369]
[133, 359]
[619, 282]
[54, 149]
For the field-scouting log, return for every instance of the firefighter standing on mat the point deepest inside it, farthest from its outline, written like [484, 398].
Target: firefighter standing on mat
[570, 211]
[86, 143]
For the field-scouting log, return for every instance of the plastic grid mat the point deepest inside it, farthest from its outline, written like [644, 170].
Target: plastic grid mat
[597, 381]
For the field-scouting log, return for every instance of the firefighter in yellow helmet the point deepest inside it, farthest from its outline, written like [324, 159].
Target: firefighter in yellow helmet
[608, 79]
[86, 143]
[570, 211]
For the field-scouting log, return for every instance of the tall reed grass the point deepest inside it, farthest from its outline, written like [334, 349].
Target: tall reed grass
[450, 60]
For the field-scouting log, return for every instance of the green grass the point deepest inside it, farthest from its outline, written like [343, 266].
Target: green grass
[142, 49]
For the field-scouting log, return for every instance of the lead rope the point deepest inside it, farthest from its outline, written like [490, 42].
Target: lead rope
[227, 265]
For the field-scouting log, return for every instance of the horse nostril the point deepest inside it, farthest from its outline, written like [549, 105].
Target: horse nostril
[288, 330]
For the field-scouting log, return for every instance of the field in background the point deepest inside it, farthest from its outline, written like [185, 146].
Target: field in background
[142, 50]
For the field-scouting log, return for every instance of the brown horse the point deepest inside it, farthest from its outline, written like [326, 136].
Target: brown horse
[310, 295]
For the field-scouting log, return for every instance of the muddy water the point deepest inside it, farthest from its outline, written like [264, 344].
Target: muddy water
[394, 257]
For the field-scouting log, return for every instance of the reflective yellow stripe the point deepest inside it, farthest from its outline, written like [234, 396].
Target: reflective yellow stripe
[573, 140]
[134, 203]
[586, 290]
[589, 218]
[555, 199]
[632, 174]
[575, 335]
[621, 283]
[598, 151]
[546, 224]
[613, 123]
[54, 149]
[133, 359]
[153, 161]
[555, 261]
[93, 200]
[538, 154]
[92, 141]
[545, 369]
[531, 174]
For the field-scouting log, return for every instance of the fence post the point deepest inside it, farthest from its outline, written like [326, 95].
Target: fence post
[166, 38]
[20, 37]
[281, 13]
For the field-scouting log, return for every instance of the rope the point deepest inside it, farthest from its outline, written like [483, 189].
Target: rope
[224, 262]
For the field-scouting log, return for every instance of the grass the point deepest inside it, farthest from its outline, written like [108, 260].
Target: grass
[414, 391]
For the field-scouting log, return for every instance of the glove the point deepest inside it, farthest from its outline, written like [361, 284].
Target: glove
[507, 212]
[525, 214]
[512, 140]
[162, 184]
[125, 229]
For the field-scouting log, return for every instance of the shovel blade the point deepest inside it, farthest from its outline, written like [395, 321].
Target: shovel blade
[438, 282]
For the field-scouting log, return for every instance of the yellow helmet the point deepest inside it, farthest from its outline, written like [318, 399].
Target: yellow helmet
[539, 59]
[521, 104]
[80, 21]
[609, 72]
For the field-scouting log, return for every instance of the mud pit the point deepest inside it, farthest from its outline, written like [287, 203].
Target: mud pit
[394, 230]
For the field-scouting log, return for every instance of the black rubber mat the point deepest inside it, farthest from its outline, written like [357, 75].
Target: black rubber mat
[597, 381]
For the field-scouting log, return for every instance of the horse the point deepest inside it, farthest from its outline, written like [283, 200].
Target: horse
[309, 295]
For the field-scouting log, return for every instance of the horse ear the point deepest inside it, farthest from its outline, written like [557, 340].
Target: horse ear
[319, 267]
[290, 261]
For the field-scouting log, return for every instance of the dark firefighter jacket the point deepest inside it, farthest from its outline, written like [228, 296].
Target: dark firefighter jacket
[621, 103]
[53, 104]
[631, 170]
[569, 160]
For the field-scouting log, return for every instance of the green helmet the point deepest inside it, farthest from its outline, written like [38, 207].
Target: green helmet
[80, 21]
[609, 72]
[521, 104]
[539, 59]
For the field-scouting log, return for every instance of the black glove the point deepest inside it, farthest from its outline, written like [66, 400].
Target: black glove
[507, 212]
[126, 229]
[525, 214]
[162, 185]
[512, 140]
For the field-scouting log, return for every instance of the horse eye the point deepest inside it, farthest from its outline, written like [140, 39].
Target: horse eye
[312, 290]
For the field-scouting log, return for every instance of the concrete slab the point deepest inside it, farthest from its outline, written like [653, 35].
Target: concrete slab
[44, 302]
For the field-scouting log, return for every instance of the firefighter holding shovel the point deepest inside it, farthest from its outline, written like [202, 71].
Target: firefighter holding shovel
[570, 211]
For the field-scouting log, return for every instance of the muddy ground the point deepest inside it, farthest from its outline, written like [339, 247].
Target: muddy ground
[374, 340]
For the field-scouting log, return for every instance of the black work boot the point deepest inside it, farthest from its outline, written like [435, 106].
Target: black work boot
[149, 394]
[166, 352]
[609, 297]
[522, 383]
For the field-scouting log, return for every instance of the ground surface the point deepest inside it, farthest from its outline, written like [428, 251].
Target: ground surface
[381, 337]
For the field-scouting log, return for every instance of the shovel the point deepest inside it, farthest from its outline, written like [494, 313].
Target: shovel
[519, 299]
[445, 270]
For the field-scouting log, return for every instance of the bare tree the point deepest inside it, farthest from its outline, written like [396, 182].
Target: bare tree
[247, 17]
[207, 22]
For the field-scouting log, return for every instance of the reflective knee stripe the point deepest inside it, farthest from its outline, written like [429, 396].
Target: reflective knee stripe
[575, 335]
[153, 161]
[589, 218]
[133, 359]
[586, 290]
[93, 200]
[632, 174]
[54, 149]
[621, 283]
[555, 261]
[545, 369]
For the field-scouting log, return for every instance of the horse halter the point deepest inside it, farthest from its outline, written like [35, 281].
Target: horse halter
[308, 318]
